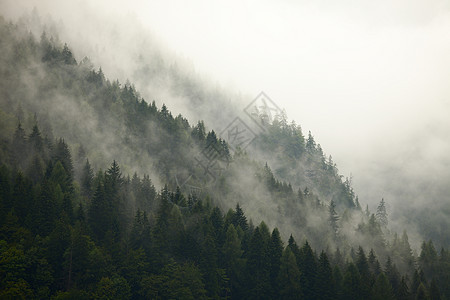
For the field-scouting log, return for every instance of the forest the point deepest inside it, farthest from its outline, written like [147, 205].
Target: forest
[102, 196]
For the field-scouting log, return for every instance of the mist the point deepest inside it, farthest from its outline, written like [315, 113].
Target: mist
[370, 80]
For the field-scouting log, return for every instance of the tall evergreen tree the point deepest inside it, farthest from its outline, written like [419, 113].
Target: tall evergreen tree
[160, 229]
[382, 216]
[289, 277]
[18, 147]
[352, 283]
[99, 214]
[403, 291]
[382, 289]
[393, 275]
[333, 217]
[239, 218]
[308, 268]
[310, 144]
[87, 179]
[62, 154]
[233, 261]
[364, 271]
[275, 253]
[325, 283]
[258, 266]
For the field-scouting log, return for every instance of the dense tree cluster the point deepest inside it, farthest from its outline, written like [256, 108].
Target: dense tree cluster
[69, 229]
[67, 242]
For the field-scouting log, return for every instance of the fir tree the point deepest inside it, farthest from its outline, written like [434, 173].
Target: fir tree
[381, 215]
[333, 217]
[289, 277]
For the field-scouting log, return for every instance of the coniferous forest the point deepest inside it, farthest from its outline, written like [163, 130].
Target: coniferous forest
[102, 197]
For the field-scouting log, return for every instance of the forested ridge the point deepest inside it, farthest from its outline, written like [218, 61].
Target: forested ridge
[91, 203]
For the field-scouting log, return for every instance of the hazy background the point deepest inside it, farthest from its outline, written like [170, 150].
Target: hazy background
[369, 79]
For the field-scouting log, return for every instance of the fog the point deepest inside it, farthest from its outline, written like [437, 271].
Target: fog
[369, 79]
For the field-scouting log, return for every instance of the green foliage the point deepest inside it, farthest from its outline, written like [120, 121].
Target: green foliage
[382, 289]
[289, 277]
[326, 287]
[66, 233]
[352, 283]
[175, 282]
[112, 288]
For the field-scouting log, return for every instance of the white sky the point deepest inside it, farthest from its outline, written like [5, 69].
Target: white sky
[370, 79]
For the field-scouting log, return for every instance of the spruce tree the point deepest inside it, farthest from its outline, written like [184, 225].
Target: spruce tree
[381, 215]
[308, 268]
[275, 253]
[239, 218]
[289, 277]
[258, 266]
[382, 289]
[364, 271]
[325, 283]
[333, 218]
[352, 283]
[87, 179]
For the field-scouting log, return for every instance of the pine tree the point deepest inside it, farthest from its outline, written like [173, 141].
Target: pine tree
[338, 259]
[275, 253]
[62, 154]
[114, 176]
[406, 253]
[381, 215]
[198, 132]
[233, 261]
[46, 208]
[289, 277]
[35, 140]
[208, 264]
[21, 198]
[382, 289]
[403, 290]
[58, 175]
[310, 144]
[258, 266]
[179, 198]
[352, 283]
[308, 268]
[374, 264]
[239, 218]
[292, 244]
[148, 193]
[99, 214]
[364, 271]
[217, 223]
[67, 56]
[57, 244]
[428, 258]
[162, 223]
[333, 218]
[35, 170]
[338, 282]
[393, 275]
[417, 280]
[87, 179]
[18, 147]
[325, 283]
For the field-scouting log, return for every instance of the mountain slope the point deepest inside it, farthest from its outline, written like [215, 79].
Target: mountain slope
[61, 120]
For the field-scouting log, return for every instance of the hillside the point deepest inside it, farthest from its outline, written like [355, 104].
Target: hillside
[176, 210]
